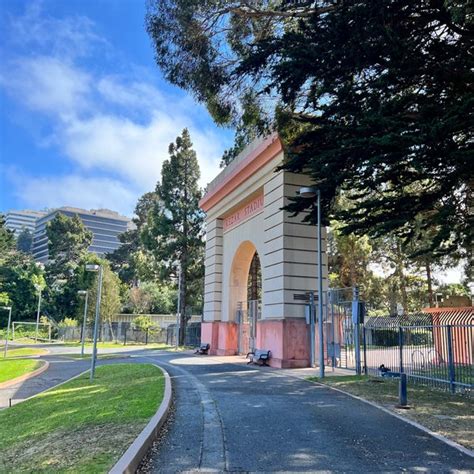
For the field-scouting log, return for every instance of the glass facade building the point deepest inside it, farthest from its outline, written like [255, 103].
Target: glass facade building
[105, 225]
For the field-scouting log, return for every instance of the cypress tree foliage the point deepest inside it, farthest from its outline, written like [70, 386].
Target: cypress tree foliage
[68, 241]
[372, 99]
[24, 241]
[7, 238]
[174, 231]
[131, 261]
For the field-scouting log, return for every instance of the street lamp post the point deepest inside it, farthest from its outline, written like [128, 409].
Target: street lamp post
[178, 313]
[96, 268]
[9, 308]
[38, 288]
[83, 335]
[307, 193]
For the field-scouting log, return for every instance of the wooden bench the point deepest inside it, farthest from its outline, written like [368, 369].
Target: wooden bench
[259, 357]
[203, 349]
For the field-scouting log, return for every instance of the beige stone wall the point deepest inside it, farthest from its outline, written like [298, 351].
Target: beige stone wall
[286, 247]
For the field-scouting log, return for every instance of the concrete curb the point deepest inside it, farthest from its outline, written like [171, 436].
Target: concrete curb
[24, 377]
[439, 437]
[131, 459]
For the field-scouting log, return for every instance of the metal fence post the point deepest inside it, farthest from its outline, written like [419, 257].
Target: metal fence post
[402, 391]
[355, 305]
[146, 337]
[452, 372]
[365, 349]
[400, 344]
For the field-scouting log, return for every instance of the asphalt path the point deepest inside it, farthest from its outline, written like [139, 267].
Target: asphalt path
[237, 418]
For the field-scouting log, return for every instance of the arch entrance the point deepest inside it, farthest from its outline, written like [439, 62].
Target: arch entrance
[247, 290]
[260, 259]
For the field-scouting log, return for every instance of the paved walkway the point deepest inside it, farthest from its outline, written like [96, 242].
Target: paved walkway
[234, 418]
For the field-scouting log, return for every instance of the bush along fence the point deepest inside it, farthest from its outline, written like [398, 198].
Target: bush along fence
[125, 333]
[434, 348]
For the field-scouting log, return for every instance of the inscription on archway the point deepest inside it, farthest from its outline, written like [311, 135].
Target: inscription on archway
[243, 213]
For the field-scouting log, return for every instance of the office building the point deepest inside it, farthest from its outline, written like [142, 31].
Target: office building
[17, 221]
[105, 225]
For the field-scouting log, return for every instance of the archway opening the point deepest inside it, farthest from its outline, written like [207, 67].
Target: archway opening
[245, 294]
[254, 283]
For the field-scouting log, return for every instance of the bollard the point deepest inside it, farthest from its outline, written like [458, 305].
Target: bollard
[402, 392]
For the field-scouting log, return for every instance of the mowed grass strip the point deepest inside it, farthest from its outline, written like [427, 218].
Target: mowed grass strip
[449, 415]
[12, 368]
[79, 426]
[25, 352]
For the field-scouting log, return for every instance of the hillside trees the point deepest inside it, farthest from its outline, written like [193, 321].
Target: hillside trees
[132, 261]
[19, 274]
[24, 241]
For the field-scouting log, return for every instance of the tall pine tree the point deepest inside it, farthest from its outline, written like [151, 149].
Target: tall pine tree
[174, 231]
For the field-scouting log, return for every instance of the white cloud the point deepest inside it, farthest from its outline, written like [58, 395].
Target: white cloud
[76, 191]
[71, 37]
[134, 151]
[48, 85]
[103, 123]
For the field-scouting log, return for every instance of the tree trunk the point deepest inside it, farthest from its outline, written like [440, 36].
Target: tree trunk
[429, 280]
[402, 279]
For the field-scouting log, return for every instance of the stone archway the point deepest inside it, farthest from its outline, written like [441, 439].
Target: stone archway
[245, 214]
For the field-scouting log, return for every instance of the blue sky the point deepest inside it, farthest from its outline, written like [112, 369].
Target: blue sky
[85, 114]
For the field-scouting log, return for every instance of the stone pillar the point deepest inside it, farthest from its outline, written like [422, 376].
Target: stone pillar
[212, 284]
[289, 268]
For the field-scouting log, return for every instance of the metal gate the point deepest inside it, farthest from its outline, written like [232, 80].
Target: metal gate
[341, 332]
[247, 316]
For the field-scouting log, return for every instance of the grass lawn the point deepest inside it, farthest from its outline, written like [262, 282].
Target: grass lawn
[13, 368]
[449, 415]
[25, 352]
[79, 426]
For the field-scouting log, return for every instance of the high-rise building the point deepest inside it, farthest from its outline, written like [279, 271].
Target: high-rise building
[106, 226]
[16, 221]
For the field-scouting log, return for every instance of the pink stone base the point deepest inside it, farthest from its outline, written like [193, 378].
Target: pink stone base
[287, 339]
[222, 336]
[210, 335]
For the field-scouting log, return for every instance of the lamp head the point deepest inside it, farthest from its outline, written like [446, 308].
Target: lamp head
[308, 192]
[8, 308]
[90, 267]
[82, 292]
